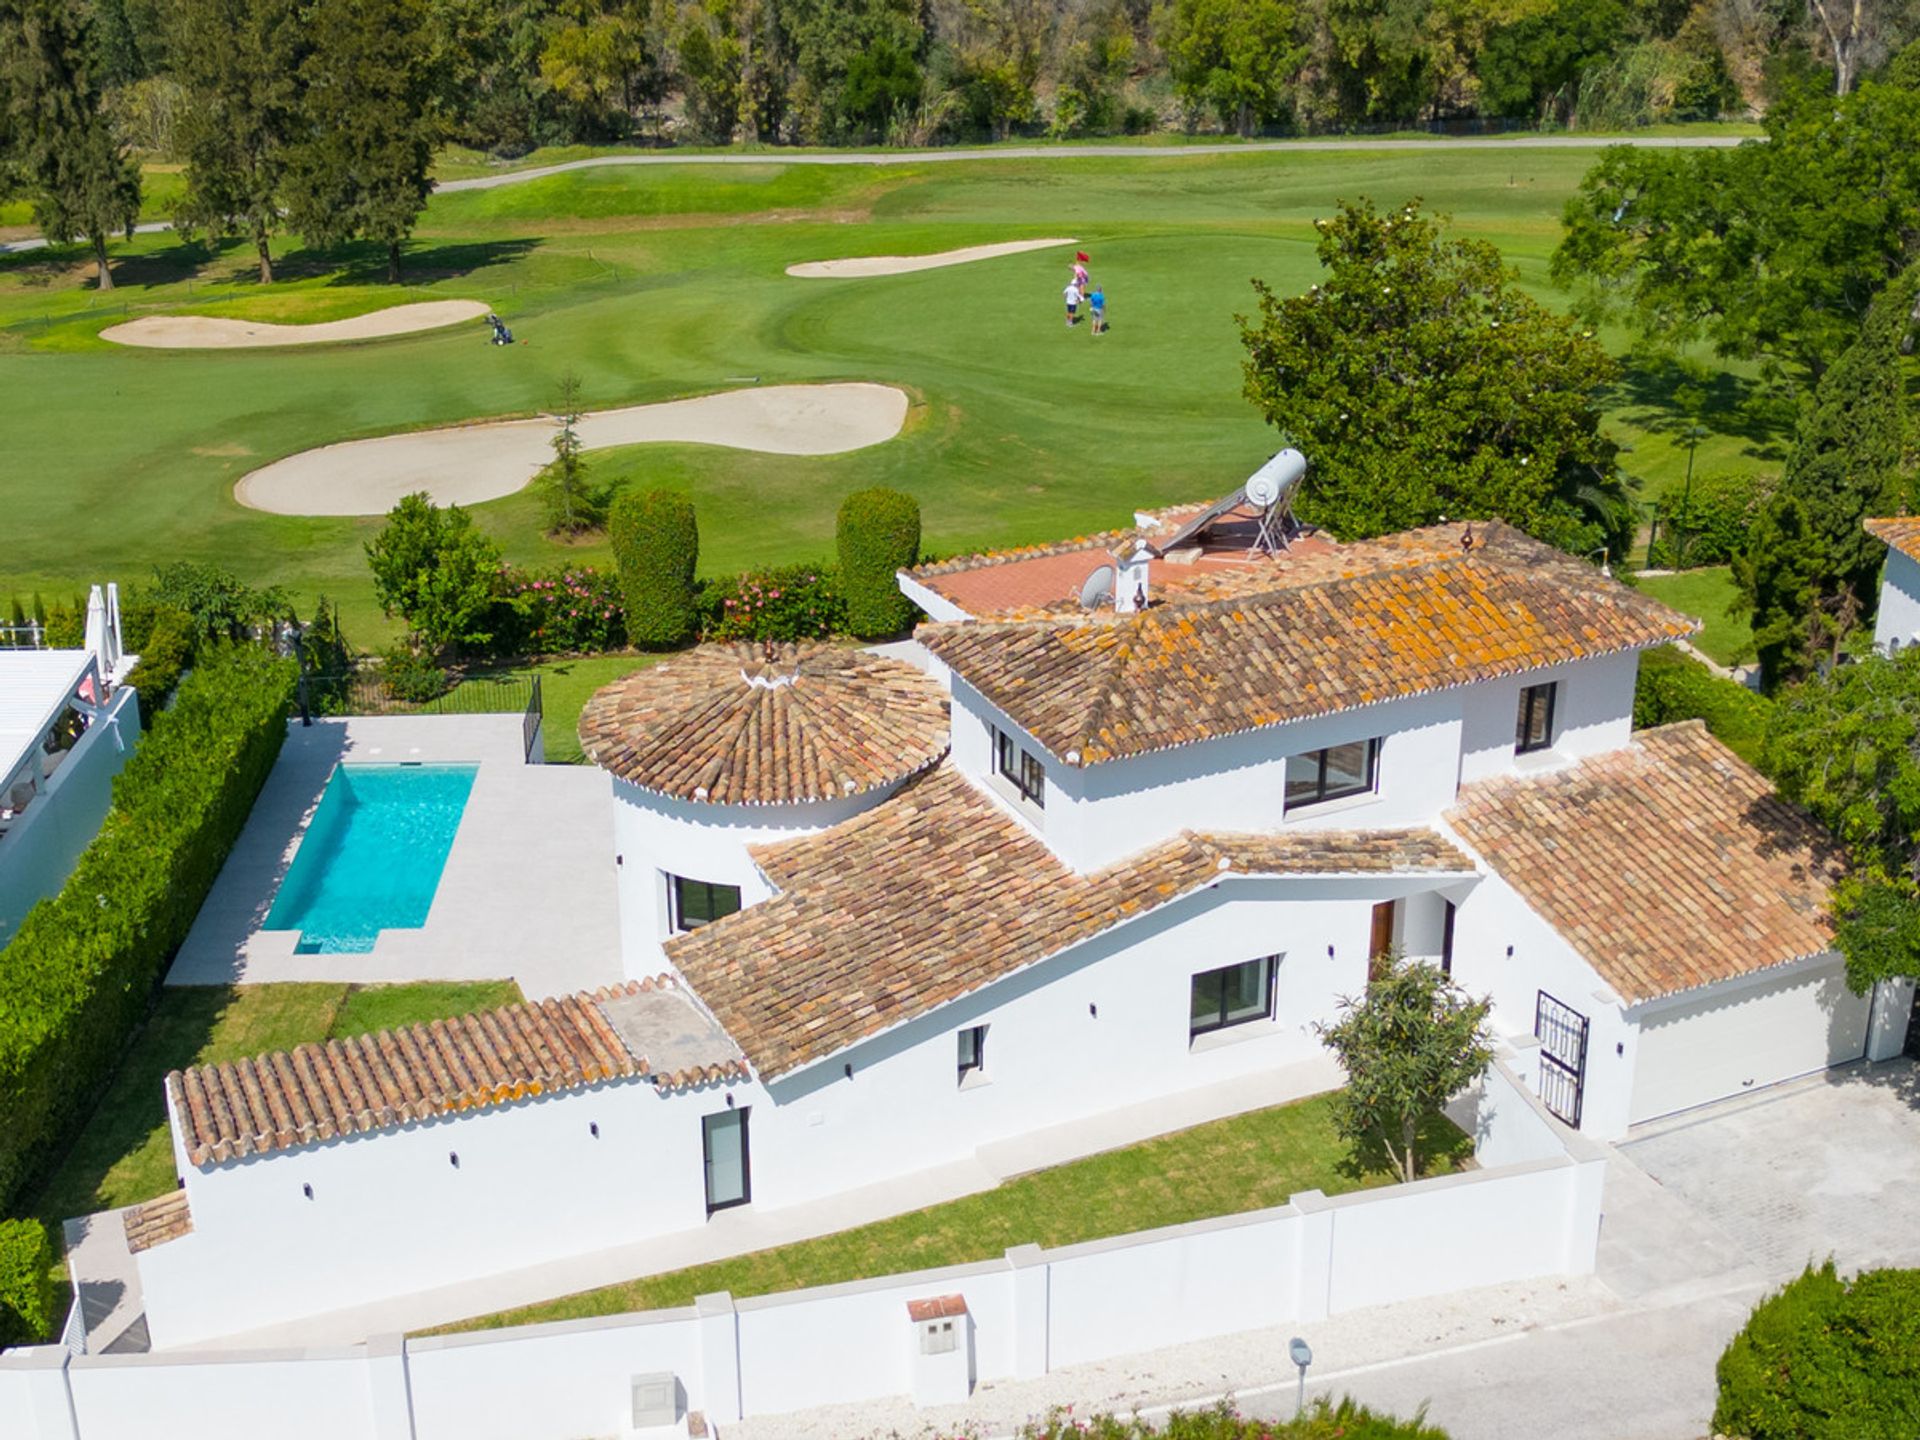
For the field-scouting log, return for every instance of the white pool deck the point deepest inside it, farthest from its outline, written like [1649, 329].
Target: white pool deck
[528, 891]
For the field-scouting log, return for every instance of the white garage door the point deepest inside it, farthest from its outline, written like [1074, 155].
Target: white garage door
[1717, 1046]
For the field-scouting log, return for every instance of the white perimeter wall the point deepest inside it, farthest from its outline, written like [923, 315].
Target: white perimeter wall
[1899, 616]
[1030, 1313]
[43, 845]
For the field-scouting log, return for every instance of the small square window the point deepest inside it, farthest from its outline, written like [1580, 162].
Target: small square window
[1231, 995]
[973, 1052]
[1533, 729]
[698, 902]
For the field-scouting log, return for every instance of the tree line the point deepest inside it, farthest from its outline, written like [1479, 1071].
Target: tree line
[321, 116]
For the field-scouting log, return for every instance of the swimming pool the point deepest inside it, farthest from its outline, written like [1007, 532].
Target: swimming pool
[372, 855]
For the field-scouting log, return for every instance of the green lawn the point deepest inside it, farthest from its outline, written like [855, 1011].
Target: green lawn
[1249, 1162]
[1706, 594]
[662, 281]
[124, 1154]
[565, 688]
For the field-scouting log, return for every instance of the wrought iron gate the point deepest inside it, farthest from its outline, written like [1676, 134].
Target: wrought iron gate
[1562, 1032]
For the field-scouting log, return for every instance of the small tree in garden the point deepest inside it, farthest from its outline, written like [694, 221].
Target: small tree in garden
[567, 497]
[1409, 1045]
[878, 534]
[656, 543]
[433, 569]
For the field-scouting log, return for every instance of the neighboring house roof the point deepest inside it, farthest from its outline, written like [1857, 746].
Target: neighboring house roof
[471, 1062]
[1667, 865]
[35, 686]
[1902, 533]
[1402, 616]
[940, 891]
[157, 1221]
[759, 725]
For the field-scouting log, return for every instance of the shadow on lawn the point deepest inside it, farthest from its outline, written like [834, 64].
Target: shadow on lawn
[1443, 1148]
[364, 263]
[1761, 414]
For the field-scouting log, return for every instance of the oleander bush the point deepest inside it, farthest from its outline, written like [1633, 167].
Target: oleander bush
[81, 970]
[1673, 686]
[656, 544]
[26, 1283]
[569, 611]
[1826, 1359]
[1323, 1419]
[878, 534]
[412, 675]
[786, 603]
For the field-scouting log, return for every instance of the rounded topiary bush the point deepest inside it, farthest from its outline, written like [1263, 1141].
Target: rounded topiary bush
[1826, 1359]
[26, 1283]
[878, 534]
[656, 544]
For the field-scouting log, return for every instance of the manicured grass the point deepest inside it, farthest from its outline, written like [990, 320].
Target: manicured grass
[662, 281]
[565, 688]
[1249, 1162]
[125, 1155]
[1707, 593]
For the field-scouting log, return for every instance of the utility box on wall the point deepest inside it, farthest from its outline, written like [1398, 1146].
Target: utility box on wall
[656, 1401]
[942, 1353]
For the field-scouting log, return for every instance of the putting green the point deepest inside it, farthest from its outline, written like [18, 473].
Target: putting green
[654, 283]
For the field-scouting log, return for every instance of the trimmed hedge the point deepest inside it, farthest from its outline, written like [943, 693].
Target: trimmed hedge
[26, 1283]
[165, 653]
[80, 972]
[1826, 1359]
[878, 534]
[1710, 526]
[656, 544]
[1674, 686]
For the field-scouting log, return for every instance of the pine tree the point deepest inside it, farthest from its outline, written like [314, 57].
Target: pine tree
[369, 126]
[239, 61]
[84, 185]
[567, 497]
[1810, 570]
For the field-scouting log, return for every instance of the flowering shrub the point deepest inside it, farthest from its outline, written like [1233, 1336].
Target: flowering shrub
[790, 602]
[1322, 1420]
[566, 612]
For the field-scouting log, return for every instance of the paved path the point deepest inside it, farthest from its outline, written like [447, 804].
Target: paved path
[1050, 152]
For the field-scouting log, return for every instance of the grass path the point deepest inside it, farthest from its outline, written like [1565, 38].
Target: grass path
[1247, 1162]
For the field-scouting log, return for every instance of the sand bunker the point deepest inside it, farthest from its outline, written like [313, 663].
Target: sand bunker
[863, 265]
[464, 464]
[220, 332]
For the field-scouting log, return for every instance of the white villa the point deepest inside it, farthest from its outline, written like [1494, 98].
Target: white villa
[67, 724]
[877, 916]
[1897, 622]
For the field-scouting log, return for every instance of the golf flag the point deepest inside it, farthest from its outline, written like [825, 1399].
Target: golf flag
[1081, 256]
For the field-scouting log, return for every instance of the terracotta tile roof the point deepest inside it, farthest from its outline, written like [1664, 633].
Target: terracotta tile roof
[1902, 533]
[940, 1307]
[1667, 865]
[740, 725]
[939, 891]
[366, 1083]
[157, 1221]
[1406, 615]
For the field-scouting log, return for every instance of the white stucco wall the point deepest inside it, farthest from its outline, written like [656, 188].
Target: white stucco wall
[1593, 713]
[1899, 616]
[43, 845]
[655, 836]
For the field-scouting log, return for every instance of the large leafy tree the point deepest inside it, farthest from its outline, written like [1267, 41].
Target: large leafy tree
[1810, 570]
[852, 59]
[1409, 1044]
[432, 567]
[239, 61]
[1847, 746]
[1771, 250]
[360, 166]
[1421, 384]
[53, 114]
[1236, 58]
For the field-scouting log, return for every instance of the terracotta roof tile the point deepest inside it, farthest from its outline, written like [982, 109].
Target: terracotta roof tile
[940, 891]
[364, 1083]
[155, 1222]
[739, 725]
[1667, 865]
[1406, 615]
[1902, 533]
[940, 1307]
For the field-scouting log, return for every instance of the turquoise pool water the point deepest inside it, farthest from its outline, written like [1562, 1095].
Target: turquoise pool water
[372, 855]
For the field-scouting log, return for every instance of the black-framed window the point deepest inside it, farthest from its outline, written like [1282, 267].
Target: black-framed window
[1231, 995]
[973, 1052]
[1332, 773]
[699, 902]
[1020, 768]
[723, 1149]
[1533, 728]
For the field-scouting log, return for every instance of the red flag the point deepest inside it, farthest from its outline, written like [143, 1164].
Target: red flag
[1082, 256]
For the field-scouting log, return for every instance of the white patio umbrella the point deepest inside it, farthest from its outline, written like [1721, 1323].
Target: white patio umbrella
[97, 630]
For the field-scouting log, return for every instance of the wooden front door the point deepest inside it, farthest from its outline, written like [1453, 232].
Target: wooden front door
[1380, 943]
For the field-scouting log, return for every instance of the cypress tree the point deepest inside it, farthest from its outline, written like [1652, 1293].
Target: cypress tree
[878, 535]
[656, 544]
[52, 115]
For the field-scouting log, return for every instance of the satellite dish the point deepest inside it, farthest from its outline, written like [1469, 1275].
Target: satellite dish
[1097, 589]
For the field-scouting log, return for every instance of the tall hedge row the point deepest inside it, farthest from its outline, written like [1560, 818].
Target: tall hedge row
[26, 1283]
[656, 544]
[79, 973]
[878, 534]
